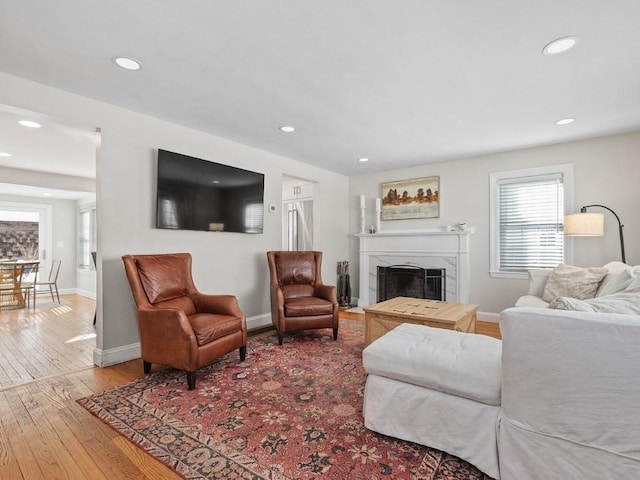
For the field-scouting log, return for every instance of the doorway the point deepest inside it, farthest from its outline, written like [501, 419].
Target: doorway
[26, 232]
[297, 214]
[48, 174]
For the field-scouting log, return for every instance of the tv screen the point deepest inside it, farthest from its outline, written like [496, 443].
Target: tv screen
[196, 194]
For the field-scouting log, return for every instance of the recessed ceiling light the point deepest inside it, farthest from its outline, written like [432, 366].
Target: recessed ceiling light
[565, 121]
[47, 194]
[559, 45]
[29, 123]
[363, 159]
[5, 154]
[127, 63]
[215, 181]
[287, 129]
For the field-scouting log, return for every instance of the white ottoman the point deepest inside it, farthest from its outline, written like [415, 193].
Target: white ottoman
[438, 388]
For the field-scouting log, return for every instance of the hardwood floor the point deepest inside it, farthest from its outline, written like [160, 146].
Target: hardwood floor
[46, 341]
[44, 433]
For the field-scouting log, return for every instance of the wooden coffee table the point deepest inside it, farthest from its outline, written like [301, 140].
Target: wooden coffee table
[385, 316]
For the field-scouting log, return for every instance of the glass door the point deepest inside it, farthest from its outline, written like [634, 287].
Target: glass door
[25, 233]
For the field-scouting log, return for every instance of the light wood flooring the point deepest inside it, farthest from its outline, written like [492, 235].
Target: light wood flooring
[46, 341]
[44, 433]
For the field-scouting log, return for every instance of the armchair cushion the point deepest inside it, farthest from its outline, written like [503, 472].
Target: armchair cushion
[300, 271]
[184, 304]
[297, 290]
[210, 326]
[163, 277]
[307, 306]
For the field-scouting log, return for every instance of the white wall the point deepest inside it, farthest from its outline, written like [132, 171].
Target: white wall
[125, 188]
[606, 171]
[86, 280]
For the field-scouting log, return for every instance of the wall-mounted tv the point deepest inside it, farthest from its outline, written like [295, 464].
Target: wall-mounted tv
[196, 194]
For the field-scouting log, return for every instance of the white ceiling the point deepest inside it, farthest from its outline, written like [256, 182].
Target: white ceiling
[404, 83]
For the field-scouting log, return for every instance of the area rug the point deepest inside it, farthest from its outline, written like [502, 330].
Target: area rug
[287, 412]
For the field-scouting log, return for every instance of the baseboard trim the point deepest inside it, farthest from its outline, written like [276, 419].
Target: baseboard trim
[111, 356]
[488, 317]
[79, 291]
[259, 321]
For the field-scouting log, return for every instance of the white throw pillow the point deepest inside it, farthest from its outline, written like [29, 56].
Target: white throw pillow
[614, 269]
[617, 283]
[573, 282]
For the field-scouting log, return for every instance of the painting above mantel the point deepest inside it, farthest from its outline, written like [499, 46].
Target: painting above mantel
[416, 198]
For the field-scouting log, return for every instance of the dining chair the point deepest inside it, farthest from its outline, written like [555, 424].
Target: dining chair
[29, 281]
[51, 283]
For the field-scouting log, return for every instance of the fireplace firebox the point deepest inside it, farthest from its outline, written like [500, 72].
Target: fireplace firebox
[409, 281]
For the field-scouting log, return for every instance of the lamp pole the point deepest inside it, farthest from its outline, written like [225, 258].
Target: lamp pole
[584, 210]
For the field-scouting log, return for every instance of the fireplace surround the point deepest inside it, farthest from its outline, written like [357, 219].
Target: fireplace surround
[428, 249]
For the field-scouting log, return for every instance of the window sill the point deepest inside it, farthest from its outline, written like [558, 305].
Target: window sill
[514, 275]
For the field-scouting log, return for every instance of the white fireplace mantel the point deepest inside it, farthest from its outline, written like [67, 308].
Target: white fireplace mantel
[437, 248]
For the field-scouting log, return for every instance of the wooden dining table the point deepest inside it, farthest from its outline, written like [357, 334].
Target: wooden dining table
[17, 283]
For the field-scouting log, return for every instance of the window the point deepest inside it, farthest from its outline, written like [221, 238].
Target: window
[527, 215]
[86, 236]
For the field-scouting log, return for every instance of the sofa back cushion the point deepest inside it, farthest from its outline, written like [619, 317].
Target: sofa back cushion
[537, 280]
[619, 276]
[573, 282]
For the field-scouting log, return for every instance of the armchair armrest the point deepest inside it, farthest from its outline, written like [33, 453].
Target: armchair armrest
[326, 292]
[166, 333]
[222, 304]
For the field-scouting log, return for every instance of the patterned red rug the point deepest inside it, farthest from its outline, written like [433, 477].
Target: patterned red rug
[287, 412]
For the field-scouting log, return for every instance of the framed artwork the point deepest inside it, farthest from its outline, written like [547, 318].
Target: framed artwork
[417, 198]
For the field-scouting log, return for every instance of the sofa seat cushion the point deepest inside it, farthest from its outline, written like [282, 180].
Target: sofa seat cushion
[531, 301]
[307, 306]
[461, 364]
[212, 326]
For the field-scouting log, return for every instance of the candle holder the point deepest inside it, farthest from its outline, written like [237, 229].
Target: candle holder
[378, 213]
[362, 219]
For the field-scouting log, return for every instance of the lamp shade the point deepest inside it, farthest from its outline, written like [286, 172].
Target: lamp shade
[584, 225]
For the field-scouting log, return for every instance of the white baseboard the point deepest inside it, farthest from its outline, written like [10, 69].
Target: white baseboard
[259, 321]
[78, 291]
[488, 317]
[111, 356]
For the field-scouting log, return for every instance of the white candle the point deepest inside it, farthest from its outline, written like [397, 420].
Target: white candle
[361, 201]
[378, 204]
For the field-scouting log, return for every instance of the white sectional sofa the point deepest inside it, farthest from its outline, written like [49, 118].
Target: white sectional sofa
[557, 398]
[580, 284]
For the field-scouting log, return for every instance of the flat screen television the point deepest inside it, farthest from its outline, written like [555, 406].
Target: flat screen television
[196, 194]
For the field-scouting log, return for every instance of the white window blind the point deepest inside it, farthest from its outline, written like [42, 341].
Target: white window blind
[530, 215]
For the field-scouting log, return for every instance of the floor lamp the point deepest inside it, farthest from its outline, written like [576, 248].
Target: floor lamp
[586, 224]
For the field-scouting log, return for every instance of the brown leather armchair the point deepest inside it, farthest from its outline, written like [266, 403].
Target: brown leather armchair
[179, 326]
[299, 299]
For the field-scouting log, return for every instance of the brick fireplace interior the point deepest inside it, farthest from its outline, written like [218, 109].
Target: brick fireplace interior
[409, 281]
